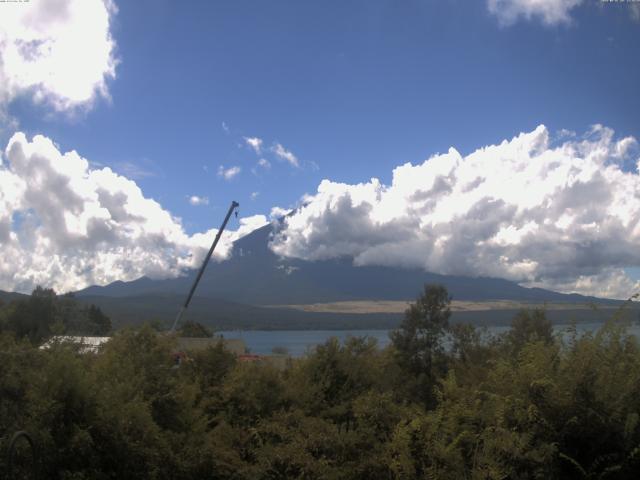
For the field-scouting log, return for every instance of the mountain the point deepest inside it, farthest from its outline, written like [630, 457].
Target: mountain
[248, 291]
[8, 297]
[254, 275]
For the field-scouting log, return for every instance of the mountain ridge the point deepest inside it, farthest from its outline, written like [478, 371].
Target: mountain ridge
[254, 275]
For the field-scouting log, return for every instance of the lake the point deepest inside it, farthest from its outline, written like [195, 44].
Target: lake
[299, 342]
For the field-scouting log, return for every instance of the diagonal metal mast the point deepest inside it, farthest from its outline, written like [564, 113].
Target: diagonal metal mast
[233, 206]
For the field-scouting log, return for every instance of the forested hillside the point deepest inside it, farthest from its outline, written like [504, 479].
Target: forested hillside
[523, 405]
[44, 313]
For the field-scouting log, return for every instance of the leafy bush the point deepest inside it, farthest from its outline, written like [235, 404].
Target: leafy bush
[523, 405]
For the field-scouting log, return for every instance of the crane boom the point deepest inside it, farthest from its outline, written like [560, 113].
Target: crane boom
[233, 206]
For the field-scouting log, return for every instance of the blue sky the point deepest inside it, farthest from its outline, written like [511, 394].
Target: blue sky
[352, 89]
[356, 87]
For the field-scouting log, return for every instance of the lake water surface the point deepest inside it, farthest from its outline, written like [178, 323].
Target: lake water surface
[299, 342]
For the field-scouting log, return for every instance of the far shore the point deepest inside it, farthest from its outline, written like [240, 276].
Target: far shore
[390, 306]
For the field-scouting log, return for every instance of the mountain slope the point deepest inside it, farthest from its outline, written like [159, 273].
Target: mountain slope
[8, 297]
[223, 315]
[254, 275]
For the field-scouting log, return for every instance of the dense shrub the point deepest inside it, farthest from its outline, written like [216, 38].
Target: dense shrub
[527, 404]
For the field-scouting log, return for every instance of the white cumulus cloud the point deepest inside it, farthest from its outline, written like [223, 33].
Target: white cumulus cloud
[285, 154]
[563, 216]
[59, 52]
[228, 173]
[550, 12]
[277, 213]
[66, 225]
[255, 143]
[195, 200]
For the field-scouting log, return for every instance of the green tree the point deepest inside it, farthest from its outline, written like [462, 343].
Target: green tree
[34, 317]
[99, 322]
[195, 329]
[418, 340]
[530, 326]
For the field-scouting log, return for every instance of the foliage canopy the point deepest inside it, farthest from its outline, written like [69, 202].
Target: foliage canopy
[522, 405]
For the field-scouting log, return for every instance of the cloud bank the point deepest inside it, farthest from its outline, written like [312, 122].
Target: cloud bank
[561, 216]
[59, 52]
[67, 226]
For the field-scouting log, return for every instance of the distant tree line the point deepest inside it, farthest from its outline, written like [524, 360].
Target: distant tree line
[441, 402]
[44, 313]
